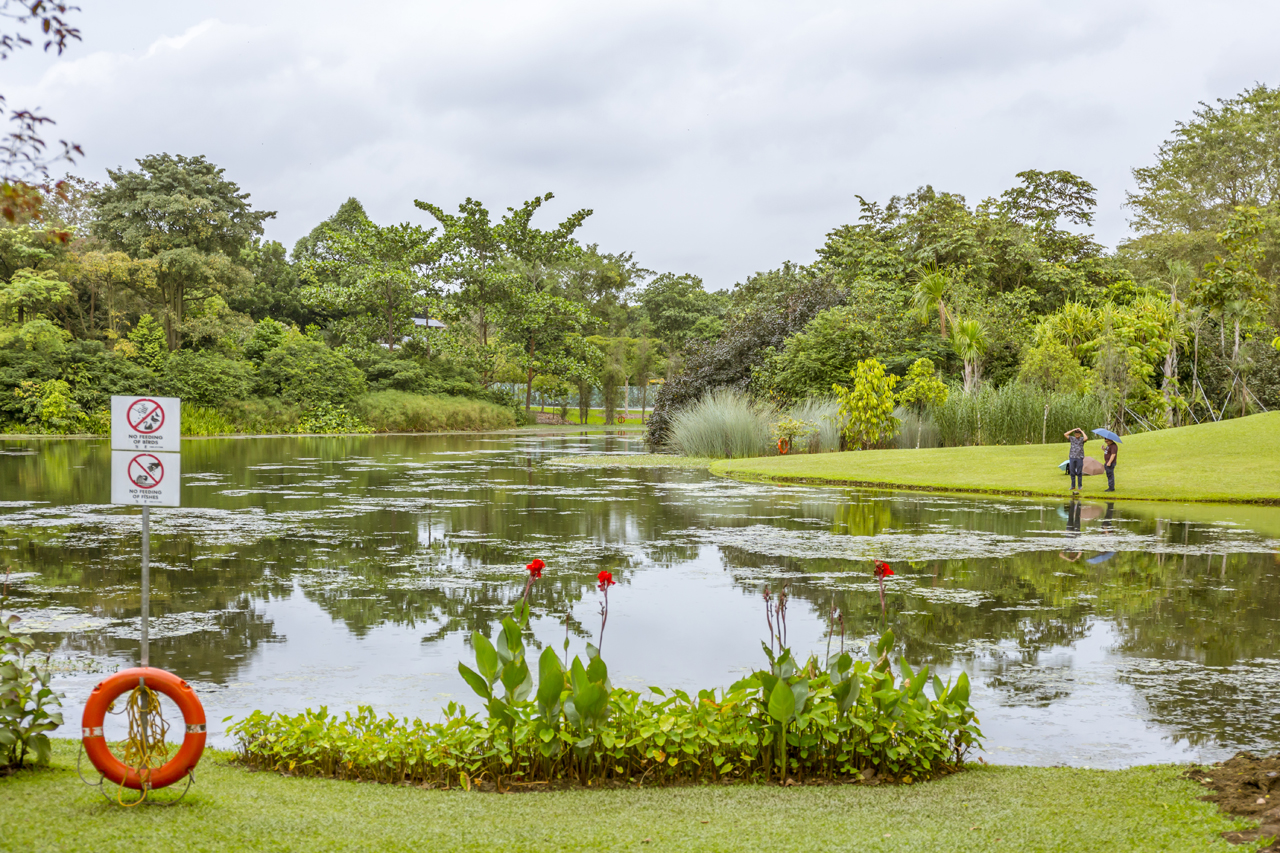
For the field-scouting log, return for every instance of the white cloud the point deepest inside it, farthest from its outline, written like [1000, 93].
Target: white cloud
[716, 138]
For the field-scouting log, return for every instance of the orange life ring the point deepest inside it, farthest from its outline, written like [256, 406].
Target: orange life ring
[95, 742]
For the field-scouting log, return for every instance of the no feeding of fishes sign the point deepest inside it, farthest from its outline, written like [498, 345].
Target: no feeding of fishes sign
[146, 434]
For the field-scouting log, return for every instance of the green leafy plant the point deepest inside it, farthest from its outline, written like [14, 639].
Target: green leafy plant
[331, 418]
[847, 721]
[867, 407]
[28, 705]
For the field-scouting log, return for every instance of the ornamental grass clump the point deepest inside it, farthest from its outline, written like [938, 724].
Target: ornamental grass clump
[809, 722]
[725, 424]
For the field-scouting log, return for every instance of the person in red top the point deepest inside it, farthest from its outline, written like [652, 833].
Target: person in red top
[1109, 464]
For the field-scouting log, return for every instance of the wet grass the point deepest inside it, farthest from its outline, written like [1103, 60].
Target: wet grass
[988, 809]
[1230, 461]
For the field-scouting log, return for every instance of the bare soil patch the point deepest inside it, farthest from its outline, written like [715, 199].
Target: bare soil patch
[1248, 786]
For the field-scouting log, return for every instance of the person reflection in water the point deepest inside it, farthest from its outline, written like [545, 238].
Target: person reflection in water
[1073, 529]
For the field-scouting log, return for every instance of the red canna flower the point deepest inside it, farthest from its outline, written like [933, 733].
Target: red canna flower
[606, 580]
[882, 570]
[535, 569]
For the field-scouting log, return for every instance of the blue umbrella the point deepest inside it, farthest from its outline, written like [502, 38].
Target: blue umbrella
[1106, 433]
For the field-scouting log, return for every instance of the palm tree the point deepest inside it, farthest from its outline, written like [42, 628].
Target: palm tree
[931, 286]
[969, 340]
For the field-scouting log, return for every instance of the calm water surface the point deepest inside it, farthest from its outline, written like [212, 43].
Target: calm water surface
[302, 572]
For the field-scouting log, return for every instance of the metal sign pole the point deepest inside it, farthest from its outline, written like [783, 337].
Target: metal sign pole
[146, 582]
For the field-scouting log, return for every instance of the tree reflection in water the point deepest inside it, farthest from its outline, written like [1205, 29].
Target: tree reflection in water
[431, 533]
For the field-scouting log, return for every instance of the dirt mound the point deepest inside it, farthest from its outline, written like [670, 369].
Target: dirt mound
[551, 418]
[1248, 786]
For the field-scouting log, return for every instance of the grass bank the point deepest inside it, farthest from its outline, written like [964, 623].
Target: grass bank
[980, 811]
[1236, 461]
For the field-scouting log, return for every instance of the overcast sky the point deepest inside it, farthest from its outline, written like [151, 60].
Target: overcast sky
[713, 138]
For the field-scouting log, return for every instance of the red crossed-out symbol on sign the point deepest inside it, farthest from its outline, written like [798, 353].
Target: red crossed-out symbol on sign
[146, 471]
[145, 415]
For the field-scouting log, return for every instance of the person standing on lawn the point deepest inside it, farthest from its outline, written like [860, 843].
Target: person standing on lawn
[1075, 459]
[1109, 464]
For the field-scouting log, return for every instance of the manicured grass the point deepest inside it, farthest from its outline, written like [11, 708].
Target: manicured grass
[988, 809]
[1230, 461]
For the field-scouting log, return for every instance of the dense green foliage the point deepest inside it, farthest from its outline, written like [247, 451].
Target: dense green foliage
[1174, 327]
[808, 723]
[167, 285]
[29, 707]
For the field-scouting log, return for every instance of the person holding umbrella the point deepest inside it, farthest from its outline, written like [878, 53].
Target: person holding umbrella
[1075, 459]
[1109, 459]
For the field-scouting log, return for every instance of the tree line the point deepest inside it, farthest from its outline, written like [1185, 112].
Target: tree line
[159, 279]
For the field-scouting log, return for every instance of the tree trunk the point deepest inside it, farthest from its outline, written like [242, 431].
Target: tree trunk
[528, 390]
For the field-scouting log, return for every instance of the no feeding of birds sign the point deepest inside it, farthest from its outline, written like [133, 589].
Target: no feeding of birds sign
[146, 469]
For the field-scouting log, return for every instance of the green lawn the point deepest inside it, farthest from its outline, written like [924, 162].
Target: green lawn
[990, 809]
[1230, 461]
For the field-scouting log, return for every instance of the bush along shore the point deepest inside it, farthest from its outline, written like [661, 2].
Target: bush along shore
[829, 720]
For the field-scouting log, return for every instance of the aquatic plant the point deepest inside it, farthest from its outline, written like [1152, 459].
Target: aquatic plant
[788, 722]
[882, 571]
[604, 580]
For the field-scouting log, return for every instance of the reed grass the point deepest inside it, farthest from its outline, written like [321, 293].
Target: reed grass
[725, 424]
[1014, 413]
[823, 413]
[916, 430]
[400, 411]
[205, 420]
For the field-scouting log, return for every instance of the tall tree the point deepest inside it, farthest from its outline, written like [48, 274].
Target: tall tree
[1228, 156]
[185, 214]
[675, 304]
[477, 252]
[372, 278]
[492, 264]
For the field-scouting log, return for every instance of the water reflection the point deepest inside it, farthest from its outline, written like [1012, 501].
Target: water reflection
[306, 571]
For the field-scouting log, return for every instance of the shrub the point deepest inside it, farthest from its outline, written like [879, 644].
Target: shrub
[867, 408]
[305, 371]
[267, 335]
[206, 378]
[1051, 366]
[149, 346]
[724, 424]
[268, 416]
[398, 411]
[328, 418]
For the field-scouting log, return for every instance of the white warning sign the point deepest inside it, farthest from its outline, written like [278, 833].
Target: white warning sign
[146, 423]
[145, 479]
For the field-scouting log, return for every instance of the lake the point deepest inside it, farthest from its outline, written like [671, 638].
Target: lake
[345, 571]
